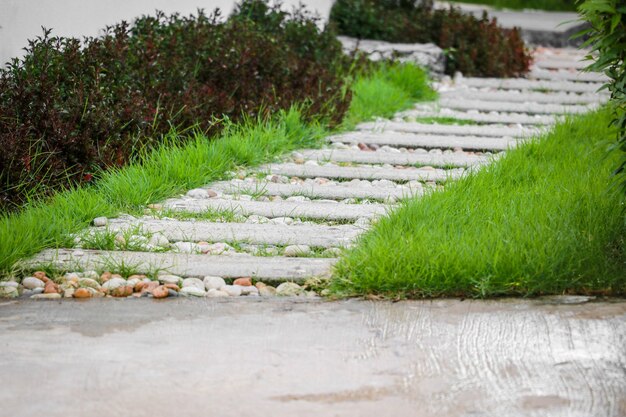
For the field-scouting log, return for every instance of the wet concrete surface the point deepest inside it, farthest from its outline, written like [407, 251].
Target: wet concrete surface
[254, 357]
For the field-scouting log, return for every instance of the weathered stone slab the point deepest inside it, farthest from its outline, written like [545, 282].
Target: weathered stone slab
[526, 97]
[440, 129]
[543, 74]
[458, 103]
[271, 234]
[410, 140]
[506, 118]
[340, 155]
[532, 85]
[365, 172]
[307, 209]
[186, 265]
[336, 192]
[556, 63]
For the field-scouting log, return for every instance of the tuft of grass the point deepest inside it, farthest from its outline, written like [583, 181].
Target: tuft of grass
[390, 88]
[546, 218]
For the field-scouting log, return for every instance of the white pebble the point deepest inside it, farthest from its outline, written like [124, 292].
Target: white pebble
[213, 283]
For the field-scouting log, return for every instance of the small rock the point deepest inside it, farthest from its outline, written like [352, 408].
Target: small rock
[133, 282]
[243, 282]
[88, 282]
[297, 250]
[256, 219]
[193, 282]
[91, 274]
[332, 252]
[114, 283]
[249, 290]
[9, 292]
[32, 283]
[198, 193]
[186, 247]
[105, 276]
[170, 279]
[50, 288]
[159, 240]
[311, 163]
[49, 296]
[297, 198]
[282, 220]
[100, 221]
[172, 287]
[363, 147]
[213, 293]
[155, 206]
[267, 291]
[37, 290]
[232, 290]
[40, 275]
[289, 289]
[216, 248]
[82, 293]
[148, 287]
[213, 283]
[160, 292]
[123, 291]
[172, 293]
[195, 291]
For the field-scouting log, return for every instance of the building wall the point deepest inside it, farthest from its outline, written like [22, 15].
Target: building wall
[21, 20]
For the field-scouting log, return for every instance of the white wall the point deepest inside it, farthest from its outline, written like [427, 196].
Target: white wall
[21, 20]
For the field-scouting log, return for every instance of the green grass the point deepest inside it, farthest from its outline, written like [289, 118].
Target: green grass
[546, 218]
[550, 5]
[389, 89]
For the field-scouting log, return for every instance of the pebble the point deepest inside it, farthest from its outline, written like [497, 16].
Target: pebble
[172, 293]
[213, 293]
[267, 291]
[289, 289]
[89, 282]
[160, 292]
[215, 248]
[72, 276]
[193, 282]
[50, 296]
[186, 247]
[297, 250]
[243, 282]
[123, 291]
[256, 219]
[194, 291]
[297, 198]
[362, 222]
[333, 252]
[41, 275]
[100, 221]
[159, 240]
[282, 220]
[213, 283]
[170, 279]
[82, 293]
[37, 290]
[249, 290]
[198, 193]
[232, 290]
[9, 292]
[50, 288]
[32, 283]
[114, 283]
[311, 163]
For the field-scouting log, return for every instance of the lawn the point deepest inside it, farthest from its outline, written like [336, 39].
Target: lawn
[546, 218]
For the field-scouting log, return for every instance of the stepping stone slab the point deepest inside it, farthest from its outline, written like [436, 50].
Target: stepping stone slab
[506, 118]
[514, 107]
[523, 84]
[527, 97]
[365, 172]
[543, 74]
[188, 265]
[312, 210]
[455, 130]
[339, 155]
[272, 234]
[555, 63]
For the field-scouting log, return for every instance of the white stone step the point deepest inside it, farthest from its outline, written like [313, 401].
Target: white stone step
[268, 233]
[556, 63]
[186, 265]
[336, 192]
[410, 140]
[518, 97]
[365, 172]
[458, 103]
[477, 117]
[308, 209]
[542, 74]
[441, 129]
[531, 85]
[380, 157]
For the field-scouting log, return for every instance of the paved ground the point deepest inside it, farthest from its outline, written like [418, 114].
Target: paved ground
[241, 358]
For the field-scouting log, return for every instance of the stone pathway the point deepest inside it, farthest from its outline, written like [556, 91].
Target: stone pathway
[289, 220]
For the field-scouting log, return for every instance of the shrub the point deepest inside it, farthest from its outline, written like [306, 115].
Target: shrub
[607, 37]
[69, 108]
[476, 47]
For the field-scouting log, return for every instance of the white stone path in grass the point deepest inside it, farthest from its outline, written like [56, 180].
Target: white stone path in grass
[315, 202]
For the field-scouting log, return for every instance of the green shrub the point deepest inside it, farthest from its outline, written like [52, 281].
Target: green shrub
[476, 47]
[607, 38]
[69, 109]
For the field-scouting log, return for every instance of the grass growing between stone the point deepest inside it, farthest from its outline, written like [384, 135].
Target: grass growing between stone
[549, 5]
[546, 218]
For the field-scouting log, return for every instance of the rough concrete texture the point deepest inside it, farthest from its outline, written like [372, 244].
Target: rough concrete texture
[363, 157]
[536, 85]
[338, 191]
[542, 74]
[442, 129]
[414, 140]
[306, 209]
[477, 104]
[475, 116]
[557, 64]
[272, 234]
[187, 265]
[519, 97]
[251, 357]
[365, 172]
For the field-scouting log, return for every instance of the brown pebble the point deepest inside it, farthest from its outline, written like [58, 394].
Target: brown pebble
[41, 275]
[123, 291]
[139, 286]
[363, 147]
[172, 286]
[82, 293]
[116, 276]
[244, 282]
[149, 286]
[260, 285]
[105, 276]
[140, 277]
[51, 288]
[160, 292]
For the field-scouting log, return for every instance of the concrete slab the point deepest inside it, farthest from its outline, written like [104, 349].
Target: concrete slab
[459, 103]
[410, 140]
[531, 85]
[365, 172]
[335, 192]
[187, 265]
[477, 117]
[288, 357]
[447, 129]
[307, 209]
[528, 97]
[553, 63]
[272, 234]
[362, 157]
[592, 77]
